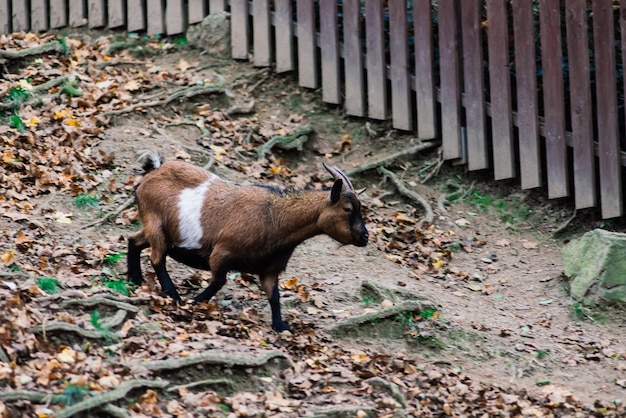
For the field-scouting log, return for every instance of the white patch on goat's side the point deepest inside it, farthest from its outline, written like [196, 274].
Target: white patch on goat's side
[190, 202]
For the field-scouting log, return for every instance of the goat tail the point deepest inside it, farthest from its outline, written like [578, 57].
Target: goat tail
[150, 160]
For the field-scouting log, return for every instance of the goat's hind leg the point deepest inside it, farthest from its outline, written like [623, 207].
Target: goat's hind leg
[136, 243]
[157, 257]
[217, 282]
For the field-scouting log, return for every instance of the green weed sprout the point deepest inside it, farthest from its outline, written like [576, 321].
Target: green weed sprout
[48, 284]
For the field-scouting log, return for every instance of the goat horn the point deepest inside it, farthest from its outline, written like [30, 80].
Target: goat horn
[338, 174]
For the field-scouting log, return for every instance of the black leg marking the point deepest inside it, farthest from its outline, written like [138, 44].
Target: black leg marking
[219, 280]
[277, 320]
[166, 282]
[133, 260]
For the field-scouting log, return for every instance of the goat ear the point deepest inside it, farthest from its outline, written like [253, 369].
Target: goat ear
[335, 193]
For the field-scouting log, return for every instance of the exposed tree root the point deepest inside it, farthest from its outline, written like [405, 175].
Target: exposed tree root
[564, 224]
[246, 109]
[435, 170]
[350, 325]
[177, 95]
[383, 161]
[215, 357]
[205, 382]
[108, 397]
[59, 326]
[101, 301]
[27, 395]
[103, 64]
[459, 192]
[112, 215]
[345, 411]
[115, 411]
[43, 87]
[286, 142]
[115, 320]
[382, 385]
[53, 46]
[4, 357]
[393, 293]
[429, 215]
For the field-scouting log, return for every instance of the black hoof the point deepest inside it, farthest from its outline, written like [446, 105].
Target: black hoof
[280, 327]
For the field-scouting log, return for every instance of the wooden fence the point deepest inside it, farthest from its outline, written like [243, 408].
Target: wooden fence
[531, 89]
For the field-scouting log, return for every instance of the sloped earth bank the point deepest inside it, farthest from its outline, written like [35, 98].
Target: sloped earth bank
[468, 316]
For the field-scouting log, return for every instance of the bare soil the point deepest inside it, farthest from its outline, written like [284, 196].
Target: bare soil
[504, 317]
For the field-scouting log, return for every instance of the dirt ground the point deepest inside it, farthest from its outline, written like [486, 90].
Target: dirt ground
[504, 318]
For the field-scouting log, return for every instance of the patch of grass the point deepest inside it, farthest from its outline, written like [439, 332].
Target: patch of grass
[119, 286]
[429, 313]
[430, 341]
[73, 394]
[580, 313]
[48, 284]
[82, 201]
[421, 336]
[18, 95]
[542, 353]
[296, 101]
[454, 247]
[109, 334]
[113, 258]
[16, 122]
[111, 280]
[368, 301]
[65, 48]
[510, 210]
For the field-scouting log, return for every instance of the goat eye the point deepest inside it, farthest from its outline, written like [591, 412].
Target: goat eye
[347, 210]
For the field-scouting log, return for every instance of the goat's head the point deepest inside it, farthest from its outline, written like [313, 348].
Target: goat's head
[342, 218]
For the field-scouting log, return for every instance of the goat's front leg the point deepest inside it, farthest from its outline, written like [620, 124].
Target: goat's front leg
[269, 283]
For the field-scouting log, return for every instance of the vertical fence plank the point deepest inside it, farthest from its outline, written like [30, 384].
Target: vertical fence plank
[217, 6]
[78, 15]
[5, 16]
[116, 14]
[239, 28]
[262, 33]
[608, 136]
[96, 15]
[580, 103]
[20, 15]
[473, 79]
[449, 62]
[155, 16]
[174, 17]
[500, 88]
[307, 53]
[401, 108]
[553, 98]
[329, 43]
[353, 58]
[58, 14]
[527, 107]
[284, 41]
[38, 16]
[424, 75]
[136, 15]
[197, 10]
[375, 60]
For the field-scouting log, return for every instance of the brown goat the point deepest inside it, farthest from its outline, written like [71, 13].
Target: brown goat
[208, 223]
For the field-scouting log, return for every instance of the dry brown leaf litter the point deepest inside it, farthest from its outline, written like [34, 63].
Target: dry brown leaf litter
[54, 151]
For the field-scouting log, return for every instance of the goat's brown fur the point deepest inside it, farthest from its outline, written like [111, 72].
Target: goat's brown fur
[245, 228]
